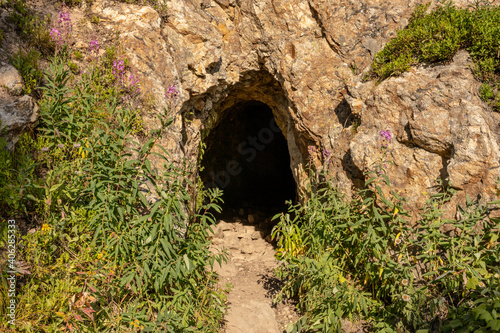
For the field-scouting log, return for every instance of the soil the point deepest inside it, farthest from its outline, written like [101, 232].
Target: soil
[250, 272]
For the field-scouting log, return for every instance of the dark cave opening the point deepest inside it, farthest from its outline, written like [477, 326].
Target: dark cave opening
[247, 156]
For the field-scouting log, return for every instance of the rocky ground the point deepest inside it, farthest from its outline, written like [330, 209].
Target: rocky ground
[249, 270]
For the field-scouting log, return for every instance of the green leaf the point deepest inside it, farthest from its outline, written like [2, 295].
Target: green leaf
[472, 283]
[483, 314]
[494, 324]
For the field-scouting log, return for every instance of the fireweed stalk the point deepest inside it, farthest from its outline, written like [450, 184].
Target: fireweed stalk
[386, 137]
[118, 70]
[60, 32]
[94, 48]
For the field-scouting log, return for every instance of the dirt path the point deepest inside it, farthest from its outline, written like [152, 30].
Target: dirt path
[250, 271]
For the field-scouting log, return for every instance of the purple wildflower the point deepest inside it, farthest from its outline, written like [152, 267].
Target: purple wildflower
[311, 150]
[60, 145]
[172, 92]
[55, 35]
[65, 20]
[94, 46]
[77, 145]
[118, 69]
[45, 149]
[61, 31]
[134, 83]
[386, 135]
[118, 66]
[326, 154]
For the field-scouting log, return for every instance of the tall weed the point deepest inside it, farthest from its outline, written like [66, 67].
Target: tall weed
[117, 249]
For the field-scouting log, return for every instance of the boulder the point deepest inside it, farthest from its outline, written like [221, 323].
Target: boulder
[16, 115]
[11, 79]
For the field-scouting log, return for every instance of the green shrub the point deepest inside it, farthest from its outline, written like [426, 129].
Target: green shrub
[27, 63]
[16, 174]
[32, 27]
[72, 3]
[73, 67]
[159, 5]
[364, 259]
[95, 19]
[438, 35]
[78, 55]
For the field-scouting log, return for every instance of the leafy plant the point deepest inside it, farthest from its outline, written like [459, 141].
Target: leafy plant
[78, 55]
[27, 63]
[364, 259]
[159, 5]
[438, 35]
[73, 67]
[72, 3]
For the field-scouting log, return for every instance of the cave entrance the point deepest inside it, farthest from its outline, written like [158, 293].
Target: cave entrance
[247, 157]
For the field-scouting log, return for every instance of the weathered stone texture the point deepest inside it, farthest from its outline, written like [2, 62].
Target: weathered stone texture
[442, 130]
[17, 113]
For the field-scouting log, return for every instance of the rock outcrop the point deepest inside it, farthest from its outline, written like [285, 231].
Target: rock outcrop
[305, 61]
[17, 113]
[441, 128]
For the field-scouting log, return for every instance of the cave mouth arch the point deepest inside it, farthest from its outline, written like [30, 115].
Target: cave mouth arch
[247, 156]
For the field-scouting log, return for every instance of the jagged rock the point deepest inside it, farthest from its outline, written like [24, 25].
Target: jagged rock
[256, 235]
[11, 79]
[249, 229]
[224, 226]
[247, 249]
[242, 235]
[16, 115]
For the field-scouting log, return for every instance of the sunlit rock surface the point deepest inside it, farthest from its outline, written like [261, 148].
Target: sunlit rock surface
[305, 60]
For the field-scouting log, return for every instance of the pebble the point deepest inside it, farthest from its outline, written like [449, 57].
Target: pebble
[224, 226]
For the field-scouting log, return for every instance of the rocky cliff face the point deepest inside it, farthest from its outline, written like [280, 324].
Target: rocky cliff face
[305, 60]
